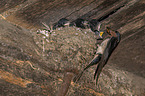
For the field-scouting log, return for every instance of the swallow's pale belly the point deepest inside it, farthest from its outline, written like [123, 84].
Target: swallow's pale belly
[102, 46]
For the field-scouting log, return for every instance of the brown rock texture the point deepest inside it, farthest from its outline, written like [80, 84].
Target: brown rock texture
[33, 64]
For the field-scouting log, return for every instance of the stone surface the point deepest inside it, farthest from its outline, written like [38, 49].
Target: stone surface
[25, 68]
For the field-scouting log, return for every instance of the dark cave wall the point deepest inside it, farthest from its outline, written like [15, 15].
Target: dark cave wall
[48, 11]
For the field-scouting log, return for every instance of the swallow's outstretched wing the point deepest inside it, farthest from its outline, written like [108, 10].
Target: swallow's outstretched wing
[112, 44]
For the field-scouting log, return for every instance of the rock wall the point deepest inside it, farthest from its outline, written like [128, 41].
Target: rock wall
[24, 70]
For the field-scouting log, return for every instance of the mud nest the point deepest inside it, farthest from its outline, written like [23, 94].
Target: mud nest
[67, 47]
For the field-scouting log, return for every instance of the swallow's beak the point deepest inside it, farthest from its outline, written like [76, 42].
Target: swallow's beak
[67, 24]
[85, 22]
[101, 34]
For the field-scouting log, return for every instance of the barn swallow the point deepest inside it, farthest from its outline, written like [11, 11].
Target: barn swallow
[93, 25]
[111, 45]
[61, 23]
[96, 58]
[103, 53]
[80, 23]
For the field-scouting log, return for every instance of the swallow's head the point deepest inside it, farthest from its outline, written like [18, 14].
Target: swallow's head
[86, 23]
[63, 22]
[113, 33]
